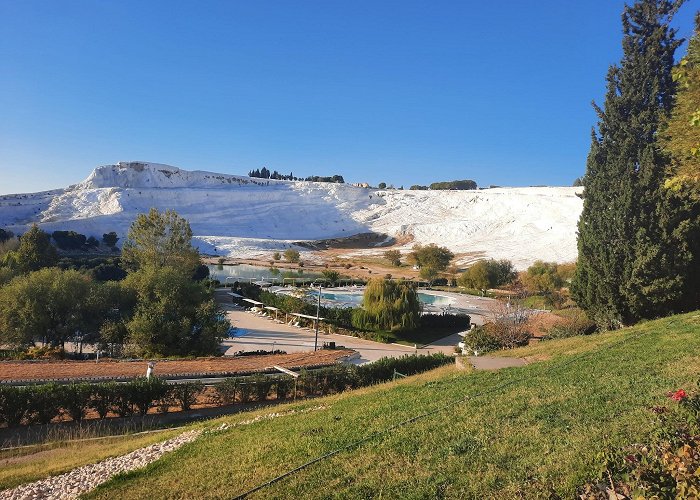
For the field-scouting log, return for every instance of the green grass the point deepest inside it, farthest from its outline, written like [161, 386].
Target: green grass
[522, 432]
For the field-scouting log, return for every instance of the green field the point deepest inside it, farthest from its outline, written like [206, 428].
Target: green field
[525, 432]
[518, 433]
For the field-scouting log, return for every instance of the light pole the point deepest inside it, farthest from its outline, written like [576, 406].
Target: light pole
[318, 316]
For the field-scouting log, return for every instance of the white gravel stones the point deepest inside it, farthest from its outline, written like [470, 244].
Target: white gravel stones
[83, 479]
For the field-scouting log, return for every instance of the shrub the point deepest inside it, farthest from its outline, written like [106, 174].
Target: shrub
[393, 256]
[487, 274]
[246, 389]
[15, 404]
[276, 256]
[45, 403]
[76, 399]
[291, 255]
[142, 392]
[577, 324]
[262, 385]
[448, 322]
[185, 394]
[481, 340]
[383, 369]
[664, 467]
[542, 277]
[43, 352]
[110, 239]
[103, 398]
[432, 259]
[284, 387]
[331, 276]
[226, 391]
[459, 185]
[306, 382]
[69, 240]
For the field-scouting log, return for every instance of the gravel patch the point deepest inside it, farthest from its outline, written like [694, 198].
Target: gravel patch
[83, 479]
[71, 485]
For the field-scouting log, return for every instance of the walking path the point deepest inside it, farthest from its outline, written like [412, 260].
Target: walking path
[494, 362]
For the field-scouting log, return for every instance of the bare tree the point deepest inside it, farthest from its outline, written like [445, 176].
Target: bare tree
[510, 323]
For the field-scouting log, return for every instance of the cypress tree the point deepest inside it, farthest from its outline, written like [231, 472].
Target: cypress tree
[631, 254]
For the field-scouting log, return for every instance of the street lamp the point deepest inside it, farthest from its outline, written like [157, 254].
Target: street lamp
[318, 316]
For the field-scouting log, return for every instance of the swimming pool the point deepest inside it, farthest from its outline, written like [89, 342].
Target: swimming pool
[354, 299]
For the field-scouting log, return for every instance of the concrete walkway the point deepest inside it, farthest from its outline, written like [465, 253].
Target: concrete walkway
[495, 363]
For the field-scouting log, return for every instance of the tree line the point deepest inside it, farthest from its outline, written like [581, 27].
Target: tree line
[161, 307]
[264, 173]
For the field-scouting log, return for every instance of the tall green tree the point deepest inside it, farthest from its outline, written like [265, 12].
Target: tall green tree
[681, 138]
[633, 253]
[50, 305]
[158, 240]
[174, 315]
[432, 259]
[35, 251]
[388, 305]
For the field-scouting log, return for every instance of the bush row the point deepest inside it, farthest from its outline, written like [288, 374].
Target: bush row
[324, 381]
[41, 404]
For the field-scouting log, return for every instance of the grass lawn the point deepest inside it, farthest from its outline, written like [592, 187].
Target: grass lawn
[519, 433]
[421, 337]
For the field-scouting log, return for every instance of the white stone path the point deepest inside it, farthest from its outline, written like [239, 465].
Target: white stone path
[71, 485]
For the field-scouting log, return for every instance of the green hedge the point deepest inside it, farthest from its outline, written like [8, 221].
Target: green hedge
[325, 380]
[40, 404]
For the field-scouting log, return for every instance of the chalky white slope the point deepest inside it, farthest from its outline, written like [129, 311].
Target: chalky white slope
[246, 217]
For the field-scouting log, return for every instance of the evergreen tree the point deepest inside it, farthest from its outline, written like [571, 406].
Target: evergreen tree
[632, 255]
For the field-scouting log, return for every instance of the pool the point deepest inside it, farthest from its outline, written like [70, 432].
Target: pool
[354, 299]
[246, 272]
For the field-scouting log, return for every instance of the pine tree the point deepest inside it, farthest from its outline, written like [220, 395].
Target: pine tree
[631, 256]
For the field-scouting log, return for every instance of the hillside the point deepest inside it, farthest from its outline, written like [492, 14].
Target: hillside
[526, 432]
[247, 217]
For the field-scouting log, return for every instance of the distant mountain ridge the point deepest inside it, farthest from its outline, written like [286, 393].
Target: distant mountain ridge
[251, 217]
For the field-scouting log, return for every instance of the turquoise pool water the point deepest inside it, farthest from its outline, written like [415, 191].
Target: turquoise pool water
[355, 298]
[247, 271]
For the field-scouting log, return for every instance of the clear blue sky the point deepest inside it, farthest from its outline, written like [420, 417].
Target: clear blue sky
[403, 92]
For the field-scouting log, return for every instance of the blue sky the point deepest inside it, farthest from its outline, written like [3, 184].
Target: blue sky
[403, 92]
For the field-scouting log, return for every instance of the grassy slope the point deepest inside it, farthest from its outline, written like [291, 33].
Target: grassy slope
[525, 432]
